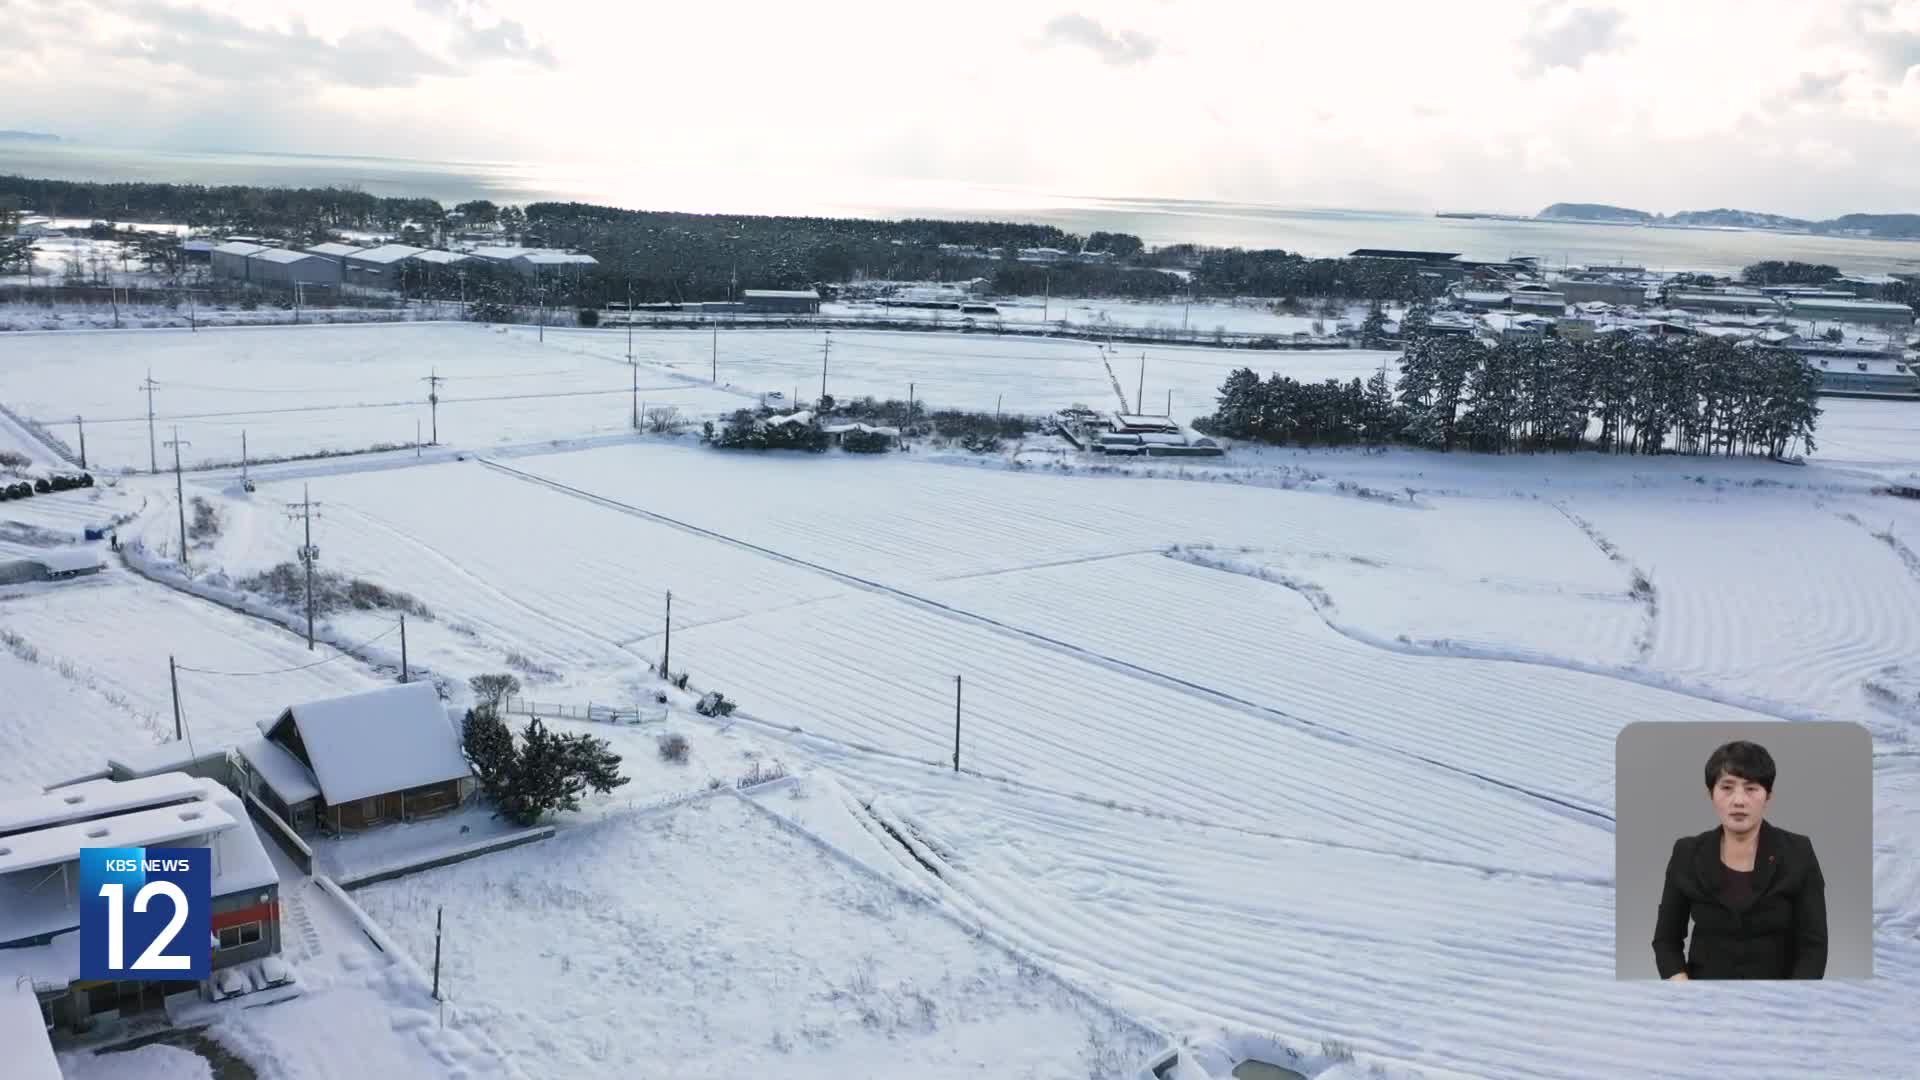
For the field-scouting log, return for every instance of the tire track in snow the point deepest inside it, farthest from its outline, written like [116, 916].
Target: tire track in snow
[1555, 803]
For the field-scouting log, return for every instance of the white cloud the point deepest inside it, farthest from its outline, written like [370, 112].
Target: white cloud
[1368, 102]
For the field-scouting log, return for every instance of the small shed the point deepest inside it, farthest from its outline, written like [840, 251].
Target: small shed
[350, 762]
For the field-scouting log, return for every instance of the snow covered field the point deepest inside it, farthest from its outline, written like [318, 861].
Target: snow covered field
[710, 939]
[1266, 756]
[299, 390]
[1251, 317]
[305, 389]
[1154, 726]
[112, 634]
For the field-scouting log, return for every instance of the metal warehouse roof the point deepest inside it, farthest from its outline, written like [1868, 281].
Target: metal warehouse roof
[239, 247]
[336, 251]
[386, 254]
[441, 258]
[283, 256]
[780, 294]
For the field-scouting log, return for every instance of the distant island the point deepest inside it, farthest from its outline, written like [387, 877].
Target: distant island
[27, 136]
[1876, 226]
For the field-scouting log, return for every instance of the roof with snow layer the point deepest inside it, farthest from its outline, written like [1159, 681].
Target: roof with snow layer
[378, 741]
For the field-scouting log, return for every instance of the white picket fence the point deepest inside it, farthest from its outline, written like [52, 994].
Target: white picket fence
[592, 711]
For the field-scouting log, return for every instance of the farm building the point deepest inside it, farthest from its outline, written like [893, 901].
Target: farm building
[440, 258]
[363, 759]
[279, 266]
[1540, 301]
[1840, 309]
[782, 301]
[377, 268]
[1743, 303]
[53, 565]
[41, 837]
[333, 250]
[231, 259]
[1602, 290]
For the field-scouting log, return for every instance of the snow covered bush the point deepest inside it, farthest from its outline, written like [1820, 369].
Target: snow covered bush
[673, 747]
[206, 521]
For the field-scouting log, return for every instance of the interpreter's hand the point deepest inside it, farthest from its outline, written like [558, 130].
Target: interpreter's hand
[1681, 977]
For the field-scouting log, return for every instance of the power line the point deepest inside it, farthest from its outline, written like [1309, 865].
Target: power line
[299, 667]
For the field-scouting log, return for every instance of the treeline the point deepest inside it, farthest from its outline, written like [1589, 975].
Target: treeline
[1789, 272]
[1619, 394]
[298, 215]
[1237, 272]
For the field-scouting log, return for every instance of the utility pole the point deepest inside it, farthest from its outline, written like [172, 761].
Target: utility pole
[956, 723]
[630, 327]
[173, 679]
[193, 323]
[82, 425]
[403, 646]
[438, 913]
[433, 382]
[1169, 413]
[1046, 302]
[308, 553]
[153, 456]
[826, 346]
[180, 495]
[636, 389]
[666, 654]
[996, 408]
[1140, 392]
[909, 407]
[715, 375]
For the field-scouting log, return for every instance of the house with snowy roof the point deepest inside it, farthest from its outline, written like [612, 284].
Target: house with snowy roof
[41, 837]
[350, 762]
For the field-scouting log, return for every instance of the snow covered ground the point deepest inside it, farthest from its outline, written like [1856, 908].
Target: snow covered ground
[1248, 317]
[305, 389]
[1205, 776]
[112, 634]
[709, 939]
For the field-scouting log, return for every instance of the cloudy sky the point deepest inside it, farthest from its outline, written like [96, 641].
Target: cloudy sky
[1808, 107]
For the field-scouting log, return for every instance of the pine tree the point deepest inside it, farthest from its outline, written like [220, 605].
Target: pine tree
[553, 771]
[1380, 417]
[1373, 331]
[1239, 404]
[489, 749]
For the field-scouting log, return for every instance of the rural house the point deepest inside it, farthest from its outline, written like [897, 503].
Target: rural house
[41, 837]
[350, 762]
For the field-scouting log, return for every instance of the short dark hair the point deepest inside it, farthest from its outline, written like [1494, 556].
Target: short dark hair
[1743, 760]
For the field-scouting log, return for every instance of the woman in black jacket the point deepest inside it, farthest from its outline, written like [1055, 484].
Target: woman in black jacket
[1752, 890]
